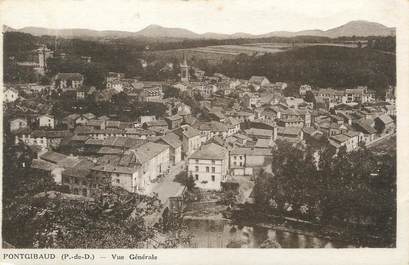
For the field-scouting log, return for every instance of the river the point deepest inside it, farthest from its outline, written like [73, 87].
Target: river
[221, 234]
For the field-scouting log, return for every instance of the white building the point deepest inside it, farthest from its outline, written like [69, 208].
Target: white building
[209, 166]
[18, 123]
[10, 95]
[46, 121]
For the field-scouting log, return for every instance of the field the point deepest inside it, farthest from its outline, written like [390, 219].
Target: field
[218, 53]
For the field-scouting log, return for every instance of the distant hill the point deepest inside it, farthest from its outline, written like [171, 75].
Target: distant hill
[156, 31]
[357, 28]
[360, 28]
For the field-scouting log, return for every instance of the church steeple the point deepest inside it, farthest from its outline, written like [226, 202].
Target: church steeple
[184, 70]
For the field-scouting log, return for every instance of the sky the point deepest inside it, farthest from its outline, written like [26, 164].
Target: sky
[200, 16]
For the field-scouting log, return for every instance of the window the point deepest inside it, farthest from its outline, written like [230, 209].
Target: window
[197, 177]
[118, 181]
[207, 169]
[76, 181]
[241, 163]
[213, 162]
[197, 160]
[235, 157]
[197, 168]
[234, 163]
[241, 157]
[213, 178]
[213, 169]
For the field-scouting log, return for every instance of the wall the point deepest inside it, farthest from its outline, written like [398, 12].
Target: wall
[203, 179]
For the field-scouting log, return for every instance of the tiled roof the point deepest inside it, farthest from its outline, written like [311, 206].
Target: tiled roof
[76, 172]
[365, 126]
[256, 79]
[171, 139]
[259, 132]
[89, 116]
[210, 151]
[53, 157]
[386, 119]
[250, 151]
[115, 169]
[213, 126]
[148, 151]
[43, 165]
[288, 130]
[340, 138]
[263, 143]
[186, 130]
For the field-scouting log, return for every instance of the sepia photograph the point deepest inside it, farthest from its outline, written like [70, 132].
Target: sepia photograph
[199, 124]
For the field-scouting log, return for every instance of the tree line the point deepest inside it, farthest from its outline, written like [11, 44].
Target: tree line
[355, 191]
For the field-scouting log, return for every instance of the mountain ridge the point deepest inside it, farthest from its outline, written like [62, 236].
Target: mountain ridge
[352, 28]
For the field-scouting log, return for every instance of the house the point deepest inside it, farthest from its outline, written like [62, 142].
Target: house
[333, 96]
[146, 118]
[42, 138]
[137, 168]
[289, 134]
[350, 140]
[151, 92]
[119, 176]
[111, 76]
[233, 126]
[174, 121]
[250, 101]
[256, 133]
[209, 166]
[104, 95]
[390, 94]
[70, 120]
[303, 89]
[242, 116]
[46, 121]
[384, 124]
[10, 94]
[313, 137]
[279, 86]
[206, 90]
[74, 119]
[208, 130]
[67, 81]
[264, 143]
[290, 122]
[243, 160]
[83, 92]
[112, 145]
[367, 127]
[190, 138]
[292, 102]
[175, 147]
[361, 94]
[116, 85]
[154, 161]
[47, 168]
[18, 123]
[96, 124]
[258, 81]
